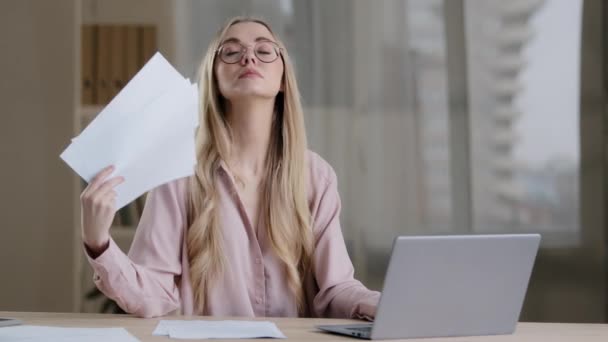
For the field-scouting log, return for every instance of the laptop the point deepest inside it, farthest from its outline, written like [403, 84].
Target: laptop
[457, 285]
[8, 322]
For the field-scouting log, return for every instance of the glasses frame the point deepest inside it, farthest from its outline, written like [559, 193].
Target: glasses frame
[244, 48]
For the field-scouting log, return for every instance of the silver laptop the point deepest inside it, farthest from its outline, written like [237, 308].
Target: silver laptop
[439, 286]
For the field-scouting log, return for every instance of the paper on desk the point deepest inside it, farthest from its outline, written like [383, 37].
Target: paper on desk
[146, 132]
[31, 333]
[178, 329]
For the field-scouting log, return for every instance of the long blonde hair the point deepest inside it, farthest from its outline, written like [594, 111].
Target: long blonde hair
[283, 206]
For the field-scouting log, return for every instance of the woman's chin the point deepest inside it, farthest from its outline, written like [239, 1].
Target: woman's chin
[244, 94]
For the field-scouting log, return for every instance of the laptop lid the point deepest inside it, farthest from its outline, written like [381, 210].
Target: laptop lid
[463, 285]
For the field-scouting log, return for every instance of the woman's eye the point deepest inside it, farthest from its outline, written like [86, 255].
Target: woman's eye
[265, 50]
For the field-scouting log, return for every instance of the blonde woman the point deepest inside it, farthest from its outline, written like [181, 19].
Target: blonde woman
[255, 231]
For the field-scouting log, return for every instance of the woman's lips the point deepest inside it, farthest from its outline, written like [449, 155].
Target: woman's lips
[250, 74]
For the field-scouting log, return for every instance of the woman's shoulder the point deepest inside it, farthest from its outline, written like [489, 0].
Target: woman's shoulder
[177, 188]
[322, 192]
[320, 172]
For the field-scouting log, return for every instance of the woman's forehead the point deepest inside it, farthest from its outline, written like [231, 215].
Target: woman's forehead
[248, 32]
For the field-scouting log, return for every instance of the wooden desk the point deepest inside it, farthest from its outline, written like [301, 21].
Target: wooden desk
[302, 329]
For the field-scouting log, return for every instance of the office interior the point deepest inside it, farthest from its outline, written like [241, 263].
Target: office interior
[438, 116]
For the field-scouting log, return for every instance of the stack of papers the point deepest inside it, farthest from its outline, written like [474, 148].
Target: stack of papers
[31, 333]
[147, 132]
[217, 329]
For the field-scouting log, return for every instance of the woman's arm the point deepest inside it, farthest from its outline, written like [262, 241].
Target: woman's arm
[144, 283]
[340, 295]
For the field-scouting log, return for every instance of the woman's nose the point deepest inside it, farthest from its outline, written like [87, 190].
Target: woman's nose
[248, 57]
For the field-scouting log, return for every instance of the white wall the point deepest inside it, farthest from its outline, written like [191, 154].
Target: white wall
[37, 99]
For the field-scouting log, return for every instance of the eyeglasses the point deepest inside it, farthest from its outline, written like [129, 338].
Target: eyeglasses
[233, 52]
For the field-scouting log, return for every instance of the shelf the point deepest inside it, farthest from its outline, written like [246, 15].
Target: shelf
[103, 34]
[90, 110]
[87, 113]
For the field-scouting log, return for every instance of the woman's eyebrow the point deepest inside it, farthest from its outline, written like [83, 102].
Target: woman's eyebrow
[236, 40]
[263, 39]
[231, 40]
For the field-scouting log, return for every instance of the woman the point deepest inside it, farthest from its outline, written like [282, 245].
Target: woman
[255, 231]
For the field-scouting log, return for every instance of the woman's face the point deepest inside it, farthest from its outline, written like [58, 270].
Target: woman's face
[248, 63]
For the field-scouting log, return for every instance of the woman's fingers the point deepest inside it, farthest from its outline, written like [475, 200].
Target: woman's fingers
[98, 179]
[109, 185]
[110, 197]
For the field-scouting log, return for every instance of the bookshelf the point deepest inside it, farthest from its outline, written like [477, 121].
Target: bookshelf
[110, 55]
[148, 25]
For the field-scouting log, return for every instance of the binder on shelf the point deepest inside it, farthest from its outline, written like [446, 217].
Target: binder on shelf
[117, 60]
[132, 51]
[88, 53]
[148, 43]
[111, 56]
[104, 92]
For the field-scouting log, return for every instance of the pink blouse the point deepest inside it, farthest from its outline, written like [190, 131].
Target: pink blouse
[153, 280]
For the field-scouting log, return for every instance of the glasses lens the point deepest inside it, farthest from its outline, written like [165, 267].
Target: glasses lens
[231, 52]
[266, 52]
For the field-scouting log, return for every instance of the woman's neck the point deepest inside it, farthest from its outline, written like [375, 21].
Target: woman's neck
[251, 124]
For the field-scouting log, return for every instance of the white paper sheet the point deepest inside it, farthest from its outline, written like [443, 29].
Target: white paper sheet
[179, 329]
[32, 333]
[147, 131]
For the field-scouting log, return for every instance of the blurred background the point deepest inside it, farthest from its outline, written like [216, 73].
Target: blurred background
[439, 117]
